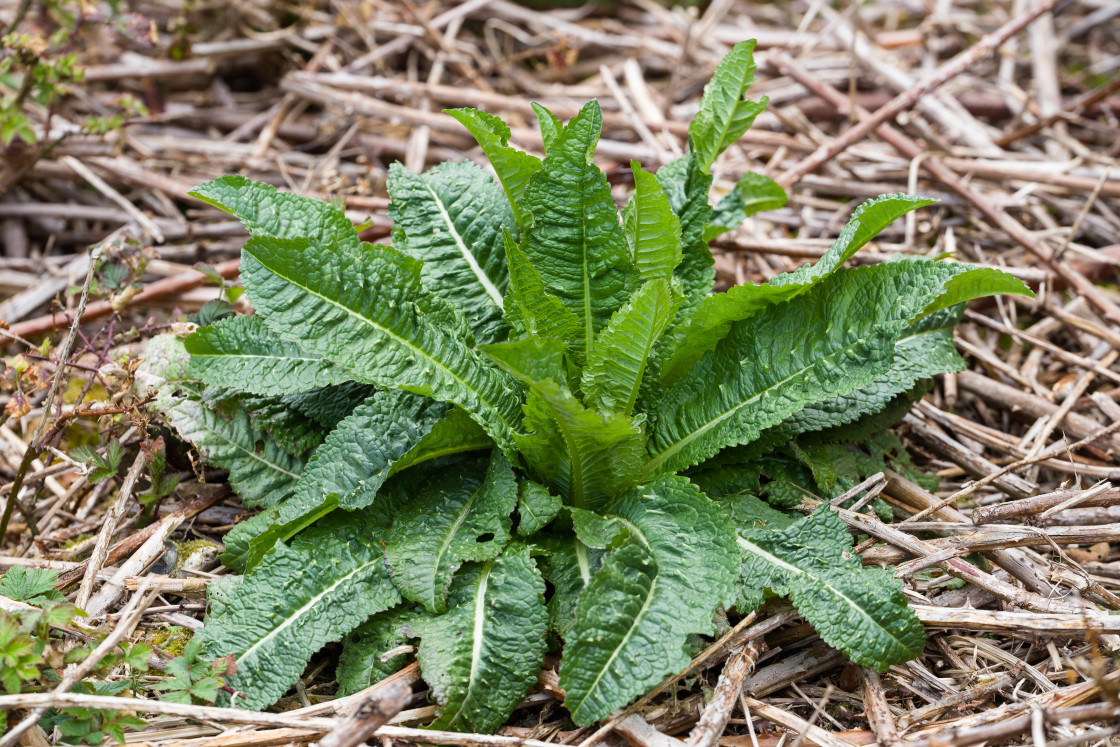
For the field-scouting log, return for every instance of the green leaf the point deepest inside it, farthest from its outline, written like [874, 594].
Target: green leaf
[360, 664]
[483, 655]
[573, 236]
[614, 371]
[32, 585]
[322, 586]
[329, 405]
[859, 610]
[825, 343]
[587, 456]
[867, 222]
[716, 313]
[924, 350]
[674, 568]
[295, 432]
[541, 313]
[653, 232]
[350, 467]
[550, 125]
[511, 165]
[754, 193]
[101, 467]
[260, 471]
[459, 514]
[455, 434]
[568, 565]
[981, 282]
[243, 354]
[535, 507]
[452, 217]
[266, 211]
[686, 186]
[361, 313]
[724, 115]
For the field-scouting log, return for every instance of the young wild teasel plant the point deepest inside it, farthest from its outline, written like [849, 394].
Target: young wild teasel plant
[530, 425]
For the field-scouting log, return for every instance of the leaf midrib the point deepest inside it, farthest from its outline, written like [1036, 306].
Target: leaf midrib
[662, 456]
[468, 257]
[303, 610]
[389, 333]
[753, 548]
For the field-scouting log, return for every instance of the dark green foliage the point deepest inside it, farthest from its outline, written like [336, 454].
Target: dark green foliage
[529, 387]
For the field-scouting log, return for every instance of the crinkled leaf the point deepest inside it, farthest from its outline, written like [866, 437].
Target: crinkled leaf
[261, 472]
[294, 431]
[452, 217]
[483, 655]
[836, 338]
[724, 115]
[867, 222]
[461, 513]
[329, 405]
[924, 350]
[538, 312]
[362, 313]
[859, 610]
[753, 193]
[511, 165]
[330, 579]
[716, 313]
[588, 456]
[653, 232]
[535, 507]
[350, 467]
[573, 236]
[266, 211]
[243, 354]
[659, 587]
[615, 369]
[686, 186]
[550, 125]
[360, 664]
[568, 565]
[982, 281]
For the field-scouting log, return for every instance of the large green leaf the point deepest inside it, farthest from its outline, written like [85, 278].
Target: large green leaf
[511, 165]
[260, 471]
[674, 564]
[537, 311]
[724, 115]
[716, 313]
[452, 217]
[362, 313]
[243, 354]
[483, 655]
[329, 405]
[360, 664]
[573, 236]
[753, 193]
[836, 338]
[461, 513]
[867, 222]
[686, 186]
[266, 211]
[568, 565]
[653, 232]
[353, 463]
[614, 371]
[859, 610]
[328, 581]
[295, 432]
[924, 350]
